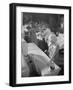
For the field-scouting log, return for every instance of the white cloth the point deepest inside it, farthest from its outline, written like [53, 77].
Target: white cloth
[41, 60]
[34, 49]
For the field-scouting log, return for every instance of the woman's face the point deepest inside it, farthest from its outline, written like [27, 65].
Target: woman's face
[39, 36]
[46, 32]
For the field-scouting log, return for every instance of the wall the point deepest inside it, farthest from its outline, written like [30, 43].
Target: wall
[4, 45]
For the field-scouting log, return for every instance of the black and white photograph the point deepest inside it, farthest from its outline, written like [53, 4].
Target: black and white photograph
[40, 44]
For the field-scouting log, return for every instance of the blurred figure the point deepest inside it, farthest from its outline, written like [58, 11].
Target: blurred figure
[50, 39]
[52, 45]
[60, 40]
